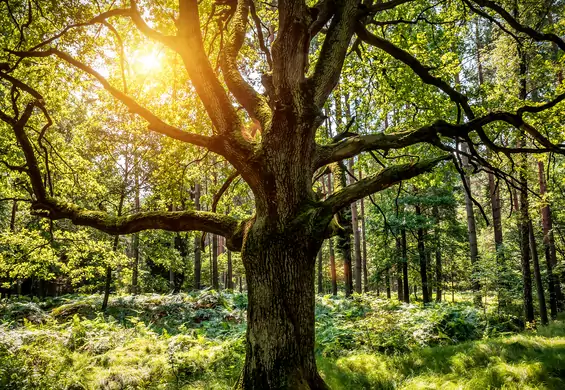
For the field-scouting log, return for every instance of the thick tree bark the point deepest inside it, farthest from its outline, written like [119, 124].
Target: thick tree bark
[423, 261]
[555, 295]
[537, 274]
[280, 328]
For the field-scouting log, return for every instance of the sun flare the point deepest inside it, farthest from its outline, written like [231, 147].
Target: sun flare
[149, 62]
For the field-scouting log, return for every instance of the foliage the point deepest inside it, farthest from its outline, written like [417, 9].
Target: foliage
[196, 341]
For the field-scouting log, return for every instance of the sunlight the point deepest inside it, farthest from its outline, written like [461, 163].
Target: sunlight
[149, 62]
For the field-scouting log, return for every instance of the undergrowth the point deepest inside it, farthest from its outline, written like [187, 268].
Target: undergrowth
[196, 341]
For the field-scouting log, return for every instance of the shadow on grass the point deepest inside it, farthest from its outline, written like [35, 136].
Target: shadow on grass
[528, 361]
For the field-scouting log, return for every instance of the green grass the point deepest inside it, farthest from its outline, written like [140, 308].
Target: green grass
[197, 342]
[523, 361]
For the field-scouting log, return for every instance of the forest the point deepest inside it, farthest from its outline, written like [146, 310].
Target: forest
[282, 194]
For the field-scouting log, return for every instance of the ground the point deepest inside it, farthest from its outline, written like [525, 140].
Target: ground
[196, 341]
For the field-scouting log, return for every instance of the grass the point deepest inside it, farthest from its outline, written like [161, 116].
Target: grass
[196, 341]
[524, 361]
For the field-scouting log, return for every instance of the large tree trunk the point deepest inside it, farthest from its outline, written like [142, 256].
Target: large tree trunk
[555, 295]
[280, 317]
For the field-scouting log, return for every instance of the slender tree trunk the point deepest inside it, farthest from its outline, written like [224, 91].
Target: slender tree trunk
[525, 248]
[13, 216]
[406, 293]
[135, 243]
[356, 241]
[537, 274]
[320, 275]
[400, 289]
[555, 295]
[387, 282]
[197, 247]
[332, 267]
[215, 280]
[364, 242]
[229, 276]
[439, 265]
[108, 283]
[343, 239]
[524, 213]
[472, 231]
[423, 261]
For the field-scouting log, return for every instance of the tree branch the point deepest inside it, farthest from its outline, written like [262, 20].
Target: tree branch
[155, 123]
[516, 25]
[422, 71]
[254, 103]
[213, 95]
[334, 49]
[378, 182]
[174, 221]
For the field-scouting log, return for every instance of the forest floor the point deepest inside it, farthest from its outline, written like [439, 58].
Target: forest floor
[196, 341]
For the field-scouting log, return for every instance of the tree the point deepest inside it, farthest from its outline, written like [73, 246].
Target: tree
[279, 243]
